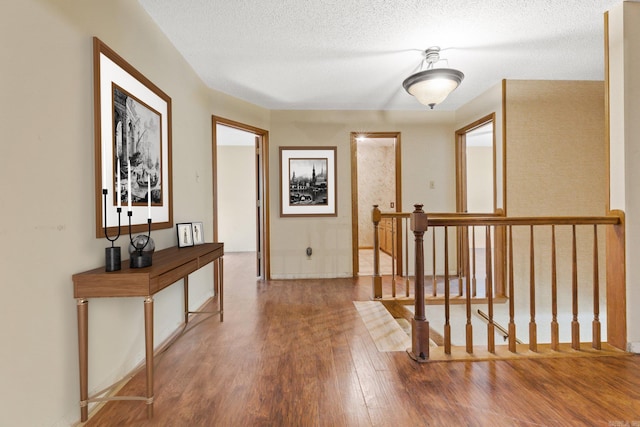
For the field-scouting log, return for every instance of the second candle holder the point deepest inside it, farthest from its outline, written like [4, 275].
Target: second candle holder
[141, 248]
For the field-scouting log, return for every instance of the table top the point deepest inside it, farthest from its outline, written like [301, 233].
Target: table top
[168, 266]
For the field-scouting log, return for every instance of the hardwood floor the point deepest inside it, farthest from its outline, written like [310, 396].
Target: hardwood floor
[296, 353]
[366, 262]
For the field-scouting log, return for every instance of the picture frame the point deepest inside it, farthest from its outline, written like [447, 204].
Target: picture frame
[308, 183]
[198, 233]
[184, 232]
[132, 133]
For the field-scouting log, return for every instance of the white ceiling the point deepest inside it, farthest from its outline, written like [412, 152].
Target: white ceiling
[354, 54]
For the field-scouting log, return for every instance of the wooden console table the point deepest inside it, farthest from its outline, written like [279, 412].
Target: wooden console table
[169, 266]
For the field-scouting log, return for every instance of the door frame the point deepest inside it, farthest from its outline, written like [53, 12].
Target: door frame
[354, 194]
[461, 161]
[499, 239]
[262, 180]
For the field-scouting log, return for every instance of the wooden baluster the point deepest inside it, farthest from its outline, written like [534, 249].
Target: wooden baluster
[533, 331]
[447, 326]
[491, 334]
[555, 335]
[473, 262]
[435, 279]
[596, 340]
[376, 216]
[469, 327]
[406, 256]
[393, 257]
[575, 325]
[467, 269]
[419, 325]
[464, 255]
[512, 324]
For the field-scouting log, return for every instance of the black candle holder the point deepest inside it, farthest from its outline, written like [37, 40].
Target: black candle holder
[112, 255]
[138, 257]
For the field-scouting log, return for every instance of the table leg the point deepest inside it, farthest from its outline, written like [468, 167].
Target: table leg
[83, 348]
[221, 287]
[216, 277]
[186, 299]
[148, 339]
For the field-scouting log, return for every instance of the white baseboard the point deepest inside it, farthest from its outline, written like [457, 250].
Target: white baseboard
[633, 347]
[310, 276]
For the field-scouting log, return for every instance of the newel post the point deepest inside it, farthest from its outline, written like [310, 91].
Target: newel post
[419, 325]
[616, 283]
[376, 217]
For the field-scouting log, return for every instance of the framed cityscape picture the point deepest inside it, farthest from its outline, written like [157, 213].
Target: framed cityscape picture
[308, 181]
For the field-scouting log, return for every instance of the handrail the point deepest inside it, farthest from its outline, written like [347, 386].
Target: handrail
[503, 331]
[395, 214]
[440, 220]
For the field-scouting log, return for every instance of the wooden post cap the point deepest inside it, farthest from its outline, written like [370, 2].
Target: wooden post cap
[418, 219]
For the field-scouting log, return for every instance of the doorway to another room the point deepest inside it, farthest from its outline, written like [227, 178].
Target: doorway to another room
[239, 187]
[375, 180]
[476, 186]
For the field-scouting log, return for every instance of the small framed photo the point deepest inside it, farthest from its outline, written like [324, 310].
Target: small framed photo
[185, 234]
[198, 235]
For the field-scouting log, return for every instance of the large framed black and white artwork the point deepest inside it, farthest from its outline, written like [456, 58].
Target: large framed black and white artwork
[308, 181]
[132, 118]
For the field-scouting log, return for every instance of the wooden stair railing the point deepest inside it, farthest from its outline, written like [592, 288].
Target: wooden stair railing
[398, 221]
[499, 266]
[400, 250]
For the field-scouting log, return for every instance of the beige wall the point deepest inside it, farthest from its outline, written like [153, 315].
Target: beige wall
[427, 139]
[479, 179]
[624, 174]
[556, 166]
[555, 148]
[236, 198]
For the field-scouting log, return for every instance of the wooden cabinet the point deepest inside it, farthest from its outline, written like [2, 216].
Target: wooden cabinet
[387, 236]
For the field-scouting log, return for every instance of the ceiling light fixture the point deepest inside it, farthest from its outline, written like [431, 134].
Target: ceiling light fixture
[433, 85]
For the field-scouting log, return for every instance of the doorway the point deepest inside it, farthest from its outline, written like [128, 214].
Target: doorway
[475, 190]
[240, 196]
[375, 180]
[476, 157]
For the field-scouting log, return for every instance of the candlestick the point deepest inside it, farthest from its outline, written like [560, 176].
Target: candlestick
[119, 192]
[141, 247]
[149, 195]
[129, 183]
[112, 254]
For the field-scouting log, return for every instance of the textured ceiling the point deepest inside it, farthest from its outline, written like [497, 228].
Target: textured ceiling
[354, 54]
